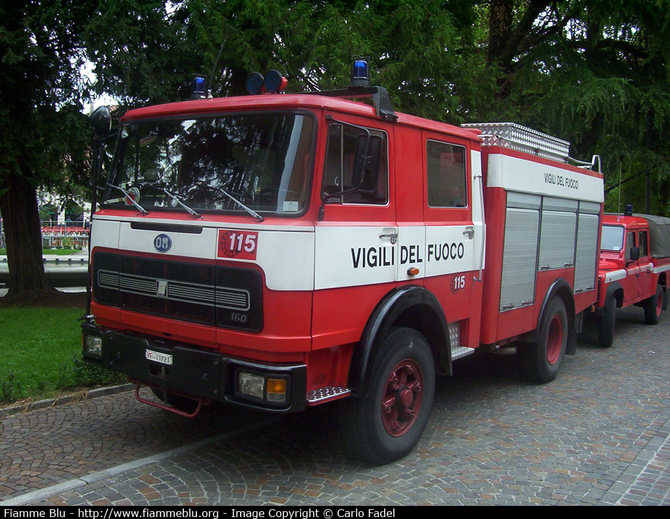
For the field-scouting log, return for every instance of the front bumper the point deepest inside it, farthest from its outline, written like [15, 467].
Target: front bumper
[193, 372]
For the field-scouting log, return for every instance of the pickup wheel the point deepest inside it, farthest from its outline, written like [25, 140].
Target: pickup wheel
[540, 361]
[386, 422]
[653, 307]
[606, 322]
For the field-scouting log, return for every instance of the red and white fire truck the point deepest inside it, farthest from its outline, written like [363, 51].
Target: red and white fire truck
[634, 259]
[281, 251]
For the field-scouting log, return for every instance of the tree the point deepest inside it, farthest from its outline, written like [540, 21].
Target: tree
[596, 74]
[42, 130]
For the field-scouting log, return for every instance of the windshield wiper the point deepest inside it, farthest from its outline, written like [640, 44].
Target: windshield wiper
[247, 209]
[188, 209]
[130, 198]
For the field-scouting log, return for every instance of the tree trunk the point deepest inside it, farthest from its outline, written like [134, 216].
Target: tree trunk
[21, 223]
[500, 25]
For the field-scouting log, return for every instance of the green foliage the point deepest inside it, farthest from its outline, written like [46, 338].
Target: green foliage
[48, 212]
[10, 388]
[42, 130]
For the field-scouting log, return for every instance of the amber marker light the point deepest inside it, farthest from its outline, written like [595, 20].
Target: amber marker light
[413, 271]
[276, 389]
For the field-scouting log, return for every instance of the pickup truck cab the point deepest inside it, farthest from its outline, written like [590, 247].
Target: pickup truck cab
[634, 258]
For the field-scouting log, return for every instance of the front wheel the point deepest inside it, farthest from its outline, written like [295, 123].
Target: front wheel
[653, 307]
[386, 422]
[606, 322]
[540, 361]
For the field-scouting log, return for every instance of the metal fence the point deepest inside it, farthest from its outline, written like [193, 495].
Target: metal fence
[72, 234]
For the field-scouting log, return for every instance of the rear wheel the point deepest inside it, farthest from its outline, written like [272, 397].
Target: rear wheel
[541, 361]
[387, 421]
[653, 307]
[606, 322]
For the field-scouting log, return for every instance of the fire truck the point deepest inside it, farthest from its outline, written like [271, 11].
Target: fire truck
[283, 251]
[634, 259]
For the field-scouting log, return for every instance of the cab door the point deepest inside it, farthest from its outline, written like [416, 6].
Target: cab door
[452, 259]
[647, 277]
[356, 233]
[631, 285]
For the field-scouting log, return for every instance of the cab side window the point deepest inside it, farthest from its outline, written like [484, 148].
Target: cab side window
[630, 243]
[356, 166]
[447, 185]
[643, 241]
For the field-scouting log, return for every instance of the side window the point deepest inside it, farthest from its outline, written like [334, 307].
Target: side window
[644, 248]
[630, 243]
[356, 168]
[447, 185]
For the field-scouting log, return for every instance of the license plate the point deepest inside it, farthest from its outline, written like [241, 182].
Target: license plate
[156, 356]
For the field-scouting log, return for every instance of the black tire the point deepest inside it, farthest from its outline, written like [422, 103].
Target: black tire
[540, 361]
[653, 307]
[403, 352]
[606, 321]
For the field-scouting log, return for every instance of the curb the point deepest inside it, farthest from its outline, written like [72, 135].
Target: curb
[65, 399]
[82, 259]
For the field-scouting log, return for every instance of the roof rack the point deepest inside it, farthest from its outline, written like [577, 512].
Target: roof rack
[521, 138]
[380, 98]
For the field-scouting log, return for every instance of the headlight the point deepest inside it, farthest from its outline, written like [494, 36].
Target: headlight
[251, 385]
[269, 388]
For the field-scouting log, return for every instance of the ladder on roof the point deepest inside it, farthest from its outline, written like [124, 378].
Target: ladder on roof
[521, 138]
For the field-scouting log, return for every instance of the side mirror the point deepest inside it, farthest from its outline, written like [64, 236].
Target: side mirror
[102, 122]
[635, 253]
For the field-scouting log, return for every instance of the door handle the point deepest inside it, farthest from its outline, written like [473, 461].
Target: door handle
[392, 237]
[469, 231]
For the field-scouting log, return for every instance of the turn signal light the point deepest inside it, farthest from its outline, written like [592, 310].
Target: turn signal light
[276, 389]
[413, 271]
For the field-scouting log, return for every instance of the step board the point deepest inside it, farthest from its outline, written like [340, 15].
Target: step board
[458, 352]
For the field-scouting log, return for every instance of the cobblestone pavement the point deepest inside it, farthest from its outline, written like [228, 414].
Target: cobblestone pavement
[43, 447]
[598, 434]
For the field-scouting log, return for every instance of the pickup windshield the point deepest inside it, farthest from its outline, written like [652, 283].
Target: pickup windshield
[262, 160]
[612, 238]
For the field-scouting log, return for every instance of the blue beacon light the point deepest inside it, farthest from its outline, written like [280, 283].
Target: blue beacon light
[199, 86]
[360, 76]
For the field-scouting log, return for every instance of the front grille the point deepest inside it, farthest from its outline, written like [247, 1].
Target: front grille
[183, 292]
[137, 285]
[221, 296]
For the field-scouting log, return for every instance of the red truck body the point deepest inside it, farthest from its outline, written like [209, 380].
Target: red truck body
[632, 269]
[333, 250]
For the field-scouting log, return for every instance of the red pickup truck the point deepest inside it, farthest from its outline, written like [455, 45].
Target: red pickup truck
[634, 259]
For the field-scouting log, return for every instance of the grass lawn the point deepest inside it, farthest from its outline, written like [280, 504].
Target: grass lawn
[54, 252]
[61, 252]
[40, 353]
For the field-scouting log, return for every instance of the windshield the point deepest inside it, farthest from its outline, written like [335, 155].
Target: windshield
[262, 160]
[612, 238]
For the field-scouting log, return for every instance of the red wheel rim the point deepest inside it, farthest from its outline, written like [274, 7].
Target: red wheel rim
[402, 397]
[555, 340]
[659, 304]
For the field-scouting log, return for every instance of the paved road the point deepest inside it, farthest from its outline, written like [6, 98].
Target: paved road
[598, 434]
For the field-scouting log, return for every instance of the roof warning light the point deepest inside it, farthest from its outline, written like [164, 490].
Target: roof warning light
[360, 76]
